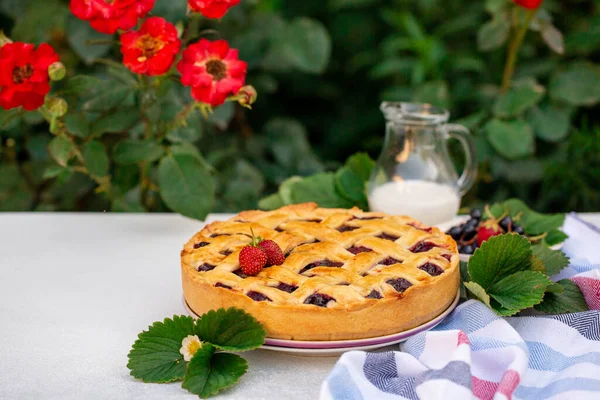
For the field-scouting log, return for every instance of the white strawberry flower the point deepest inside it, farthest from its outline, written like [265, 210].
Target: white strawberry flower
[189, 346]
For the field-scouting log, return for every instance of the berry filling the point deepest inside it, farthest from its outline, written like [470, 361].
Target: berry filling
[388, 237]
[431, 269]
[256, 296]
[343, 284]
[286, 288]
[214, 235]
[322, 263]
[318, 299]
[369, 218]
[201, 244]
[358, 249]
[219, 284]
[399, 284]
[346, 228]
[447, 256]
[311, 220]
[205, 267]
[389, 261]
[428, 230]
[239, 273]
[279, 229]
[422, 247]
[226, 252]
[374, 295]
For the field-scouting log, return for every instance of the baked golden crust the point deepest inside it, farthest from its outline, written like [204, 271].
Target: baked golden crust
[348, 274]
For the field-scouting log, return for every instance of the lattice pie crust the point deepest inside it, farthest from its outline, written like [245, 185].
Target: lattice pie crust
[348, 274]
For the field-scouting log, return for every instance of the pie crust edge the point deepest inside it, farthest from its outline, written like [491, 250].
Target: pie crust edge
[371, 318]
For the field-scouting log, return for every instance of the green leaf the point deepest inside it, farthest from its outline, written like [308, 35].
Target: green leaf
[40, 20]
[579, 85]
[95, 158]
[493, 34]
[61, 149]
[512, 139]
[499, 257]
[271, 202]
[231, 329]
[532, 222]
[570, 300]
[108, 99]
[133, 151]
[550, 123]
[285, 189]
[478, 292]
[350, 186]
[173, 11]
[186, 185]
[518, 99]
[555, 288]
[80, 84]
[155, 355]
[307, 45]
[518, 291]
[436, 93]
[77, 124]
[79, 32]
[361, 164]
[319, 188]
[553, 38]
[115, 122]
[7, 116]
[209, 373]
[554, 237]
[554, 260]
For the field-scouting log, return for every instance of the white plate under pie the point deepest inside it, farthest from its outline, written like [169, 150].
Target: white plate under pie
[337, 347]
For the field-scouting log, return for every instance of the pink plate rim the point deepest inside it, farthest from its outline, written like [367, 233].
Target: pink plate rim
[335, 344]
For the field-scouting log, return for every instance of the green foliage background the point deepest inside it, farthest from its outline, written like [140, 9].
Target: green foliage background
[321, 69]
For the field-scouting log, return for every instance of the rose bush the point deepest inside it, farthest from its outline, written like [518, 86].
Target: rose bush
[321, 68]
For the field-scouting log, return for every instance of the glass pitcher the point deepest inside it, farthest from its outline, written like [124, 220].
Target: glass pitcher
[414, 175]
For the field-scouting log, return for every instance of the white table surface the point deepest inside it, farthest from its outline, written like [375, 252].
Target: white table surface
[76, 289]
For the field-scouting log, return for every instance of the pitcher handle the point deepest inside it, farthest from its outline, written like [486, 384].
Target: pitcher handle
[463, 135]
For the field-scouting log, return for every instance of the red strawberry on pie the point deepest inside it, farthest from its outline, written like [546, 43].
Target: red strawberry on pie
[273, 251]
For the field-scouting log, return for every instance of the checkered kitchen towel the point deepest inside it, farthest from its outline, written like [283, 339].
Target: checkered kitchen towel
[476, 354]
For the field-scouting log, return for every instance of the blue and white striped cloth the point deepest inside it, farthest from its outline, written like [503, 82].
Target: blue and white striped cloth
[476, 354]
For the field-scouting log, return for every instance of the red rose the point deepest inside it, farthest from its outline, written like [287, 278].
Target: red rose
[213, 70]
[24, 74]
[212, 8]
[530, 4]
[106, 16]
[152, 49]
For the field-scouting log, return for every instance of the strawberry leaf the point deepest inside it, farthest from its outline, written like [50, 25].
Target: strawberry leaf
[208, 373]
[478, 292]
[231, 329]
[518, 291]
[499, 257]
[554, 260]
[569, 300]
[554, 237]
[533, 223]
[155, 356]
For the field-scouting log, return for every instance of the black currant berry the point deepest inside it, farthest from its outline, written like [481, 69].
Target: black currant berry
[518, 229]
[475, 213]
[506, 223]
[468, 249]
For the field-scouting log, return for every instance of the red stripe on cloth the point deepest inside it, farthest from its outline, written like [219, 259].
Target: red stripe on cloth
[462, 338]
[509, 383]
[484, 390]
[590, 288]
